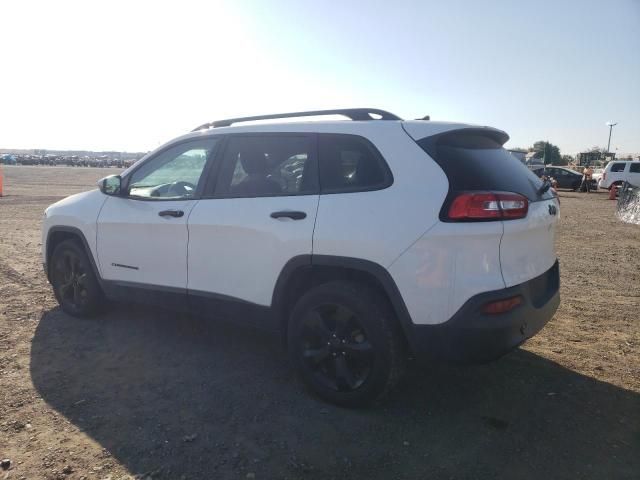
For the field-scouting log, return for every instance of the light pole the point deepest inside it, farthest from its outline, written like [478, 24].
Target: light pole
[610, 125]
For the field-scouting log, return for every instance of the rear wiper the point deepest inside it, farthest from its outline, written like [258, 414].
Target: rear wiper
[545, 186]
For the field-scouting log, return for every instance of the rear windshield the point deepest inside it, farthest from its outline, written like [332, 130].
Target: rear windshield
[477, 161]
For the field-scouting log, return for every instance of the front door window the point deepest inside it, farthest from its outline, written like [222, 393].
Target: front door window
[174, 174]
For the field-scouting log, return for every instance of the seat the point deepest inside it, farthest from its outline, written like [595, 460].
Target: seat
[256, 182]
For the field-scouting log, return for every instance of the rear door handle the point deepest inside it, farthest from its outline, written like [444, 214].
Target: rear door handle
[289, 214]
[171, 213]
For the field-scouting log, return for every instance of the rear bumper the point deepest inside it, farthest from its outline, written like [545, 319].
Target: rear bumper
[471, 336]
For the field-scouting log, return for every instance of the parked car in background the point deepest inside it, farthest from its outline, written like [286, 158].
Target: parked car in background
[597, 174]
[7, 159]
[617, 172]
[565, 177]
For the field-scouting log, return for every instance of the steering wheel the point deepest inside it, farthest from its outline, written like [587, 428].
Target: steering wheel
[181, 189]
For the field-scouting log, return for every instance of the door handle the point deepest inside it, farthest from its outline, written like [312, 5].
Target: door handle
[289, 214]
[171, 213]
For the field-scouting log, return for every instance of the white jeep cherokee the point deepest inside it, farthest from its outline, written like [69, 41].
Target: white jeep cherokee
[365, 241]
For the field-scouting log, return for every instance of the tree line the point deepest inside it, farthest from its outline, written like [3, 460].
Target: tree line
[550, 153]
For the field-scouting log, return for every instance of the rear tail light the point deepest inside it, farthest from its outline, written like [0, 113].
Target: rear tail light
[502, 306]
[604, 176]
[488, 206]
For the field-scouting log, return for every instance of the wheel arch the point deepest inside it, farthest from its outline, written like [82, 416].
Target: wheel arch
[58, 234]
[307, 271]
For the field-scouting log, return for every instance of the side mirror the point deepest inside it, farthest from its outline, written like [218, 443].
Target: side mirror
[110, 185]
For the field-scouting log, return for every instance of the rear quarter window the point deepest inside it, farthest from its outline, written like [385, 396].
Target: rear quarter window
[618, 167]
[349, 163]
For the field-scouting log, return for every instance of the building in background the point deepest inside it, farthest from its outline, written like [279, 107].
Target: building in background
[532, 161]
[594, 157]
[519, 154]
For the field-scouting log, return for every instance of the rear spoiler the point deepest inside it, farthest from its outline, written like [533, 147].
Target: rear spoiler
[448, 132]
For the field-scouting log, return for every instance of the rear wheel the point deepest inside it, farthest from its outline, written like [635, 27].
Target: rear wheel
[74, 283]
[345, 343]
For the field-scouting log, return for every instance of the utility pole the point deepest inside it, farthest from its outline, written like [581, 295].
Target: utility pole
[610, 125]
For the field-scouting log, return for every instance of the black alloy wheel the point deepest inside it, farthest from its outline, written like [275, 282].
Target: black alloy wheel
[346, 343]
[74, 283]
[336, 349]
[70, 279]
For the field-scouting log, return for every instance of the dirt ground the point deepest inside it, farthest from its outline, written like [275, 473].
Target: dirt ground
[159, 395]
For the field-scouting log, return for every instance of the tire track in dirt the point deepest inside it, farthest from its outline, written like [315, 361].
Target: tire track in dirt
[11, 273]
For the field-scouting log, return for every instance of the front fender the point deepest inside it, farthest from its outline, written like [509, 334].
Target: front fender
[75, 214]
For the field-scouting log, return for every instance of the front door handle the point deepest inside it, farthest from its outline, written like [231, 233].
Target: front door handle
[289, 214]
[171, 213]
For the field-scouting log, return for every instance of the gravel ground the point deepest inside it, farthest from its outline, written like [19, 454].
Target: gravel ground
[160, 395]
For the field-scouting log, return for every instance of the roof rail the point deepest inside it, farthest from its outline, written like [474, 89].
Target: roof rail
[351, 113]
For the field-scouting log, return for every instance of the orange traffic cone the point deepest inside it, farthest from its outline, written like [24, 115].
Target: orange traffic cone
[612, 192]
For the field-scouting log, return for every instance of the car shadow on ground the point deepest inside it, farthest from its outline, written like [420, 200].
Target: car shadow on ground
[204, 399]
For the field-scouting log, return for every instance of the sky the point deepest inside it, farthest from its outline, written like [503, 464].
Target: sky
[131, 75]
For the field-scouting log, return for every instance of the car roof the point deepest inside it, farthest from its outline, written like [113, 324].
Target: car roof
[424, 127]
[416, 129]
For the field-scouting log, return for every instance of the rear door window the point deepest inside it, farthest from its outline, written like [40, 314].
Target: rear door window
[475, 160]
[635, 167]
[268, 165]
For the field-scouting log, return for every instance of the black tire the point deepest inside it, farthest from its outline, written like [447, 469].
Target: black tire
[345, 343]
[74, 283]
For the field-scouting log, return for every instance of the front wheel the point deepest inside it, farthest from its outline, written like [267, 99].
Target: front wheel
[345, 343]
[74, 283]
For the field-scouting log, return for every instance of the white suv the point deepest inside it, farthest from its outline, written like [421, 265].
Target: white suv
[365, 241]
[617, 172]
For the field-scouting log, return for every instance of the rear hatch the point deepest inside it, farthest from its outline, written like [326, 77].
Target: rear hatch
[483, 178]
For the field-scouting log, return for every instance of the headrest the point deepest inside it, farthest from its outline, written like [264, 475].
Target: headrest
[253, 161]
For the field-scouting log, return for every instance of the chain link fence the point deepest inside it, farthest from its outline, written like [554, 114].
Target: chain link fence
[629, 204]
